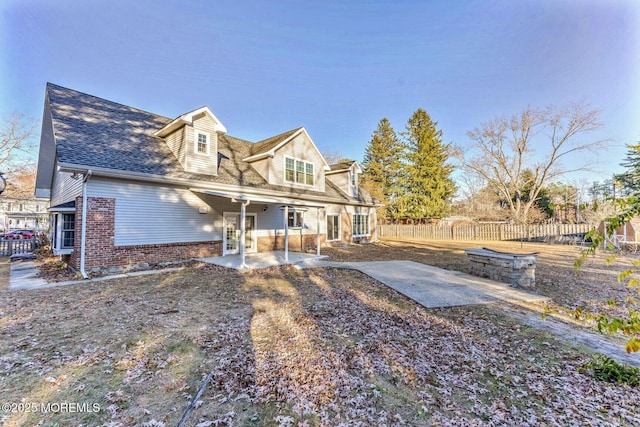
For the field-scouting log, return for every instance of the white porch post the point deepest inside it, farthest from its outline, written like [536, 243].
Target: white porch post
[243, 231]
[318, 232]
[286, 233]
[375, 225]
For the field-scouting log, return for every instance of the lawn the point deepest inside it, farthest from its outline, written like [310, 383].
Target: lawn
[293, 347]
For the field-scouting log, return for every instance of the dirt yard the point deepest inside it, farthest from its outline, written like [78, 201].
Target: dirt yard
[289, 347]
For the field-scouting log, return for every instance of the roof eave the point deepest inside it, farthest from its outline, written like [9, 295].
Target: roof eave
[119, 174]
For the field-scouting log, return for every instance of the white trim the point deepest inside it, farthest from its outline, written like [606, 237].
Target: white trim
[336, 215]
[188, 118]
[196, 134]
[295, 172]
[58, 236]
[254, 235]
[353, 217]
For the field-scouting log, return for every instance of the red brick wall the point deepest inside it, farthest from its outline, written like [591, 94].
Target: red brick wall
[101, 252]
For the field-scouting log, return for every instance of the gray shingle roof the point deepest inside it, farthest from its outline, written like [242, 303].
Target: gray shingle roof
[96, 133]
[267, 144]
[342, 165]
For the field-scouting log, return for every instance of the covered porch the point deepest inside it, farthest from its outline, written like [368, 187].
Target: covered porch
[256, 233]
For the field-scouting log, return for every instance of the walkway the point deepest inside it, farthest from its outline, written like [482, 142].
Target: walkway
[434, 287]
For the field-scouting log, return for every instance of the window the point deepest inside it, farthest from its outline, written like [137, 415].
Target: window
[309, 171]
[360, 225]
[202, 142]
[333, 227]
[68, 230]
[298, 171]
[63, 232]
[295, 219]
[290, 165]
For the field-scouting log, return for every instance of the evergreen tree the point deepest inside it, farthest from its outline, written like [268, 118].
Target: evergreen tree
[382, 163]
[630, 179]
[426, 183]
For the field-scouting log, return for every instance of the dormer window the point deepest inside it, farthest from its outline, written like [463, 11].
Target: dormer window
[202, 142]
[299, 171]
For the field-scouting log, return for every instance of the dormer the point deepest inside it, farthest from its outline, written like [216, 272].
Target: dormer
[345, 175]
[193, 138]
[290, 159]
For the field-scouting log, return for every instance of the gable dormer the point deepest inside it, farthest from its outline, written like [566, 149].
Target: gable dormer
[345, 175]
[193, 138]
[290, 159]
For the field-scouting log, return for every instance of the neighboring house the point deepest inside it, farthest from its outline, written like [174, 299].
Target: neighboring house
[128, 187]
[23, 212]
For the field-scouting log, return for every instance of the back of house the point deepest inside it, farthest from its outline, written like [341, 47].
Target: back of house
[129, 187]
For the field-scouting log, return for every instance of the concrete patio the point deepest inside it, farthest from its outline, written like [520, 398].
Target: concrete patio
[263, 260]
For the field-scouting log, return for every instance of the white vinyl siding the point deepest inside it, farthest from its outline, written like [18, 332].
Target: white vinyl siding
[176, 142]
[300, 148]
[153, 214]
[65, 188]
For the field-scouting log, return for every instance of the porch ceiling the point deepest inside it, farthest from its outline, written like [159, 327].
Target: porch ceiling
[241, 197]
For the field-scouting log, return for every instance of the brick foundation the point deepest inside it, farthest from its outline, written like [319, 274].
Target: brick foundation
[101, 252]
[296, 242]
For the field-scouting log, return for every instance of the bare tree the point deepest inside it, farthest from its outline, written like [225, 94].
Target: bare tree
[16, 139]
[519, 155]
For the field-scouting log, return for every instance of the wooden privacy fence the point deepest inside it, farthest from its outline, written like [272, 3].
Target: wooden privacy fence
[10, 247]
[567, 233]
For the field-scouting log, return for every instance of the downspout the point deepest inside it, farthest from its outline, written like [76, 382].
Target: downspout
[83, 237]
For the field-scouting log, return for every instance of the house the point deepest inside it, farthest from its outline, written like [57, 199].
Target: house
[18, 211]
[128, 187]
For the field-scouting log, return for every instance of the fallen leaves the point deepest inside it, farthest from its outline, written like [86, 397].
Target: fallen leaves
[324, 347]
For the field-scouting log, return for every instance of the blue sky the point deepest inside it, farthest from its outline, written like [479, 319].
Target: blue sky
[335, 67]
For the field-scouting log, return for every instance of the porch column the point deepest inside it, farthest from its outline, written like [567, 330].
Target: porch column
[375, 225]
[318, 232]
[243, 231]
[286, 233]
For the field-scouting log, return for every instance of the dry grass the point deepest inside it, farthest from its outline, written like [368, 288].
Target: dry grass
[290, 347]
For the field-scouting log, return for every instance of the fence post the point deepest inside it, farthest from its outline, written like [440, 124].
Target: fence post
[10, 247]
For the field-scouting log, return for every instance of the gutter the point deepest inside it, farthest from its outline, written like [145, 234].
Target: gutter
[83, 238]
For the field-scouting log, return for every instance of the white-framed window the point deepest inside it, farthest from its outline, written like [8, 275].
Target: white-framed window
[63, 238]
[202, 142]
[360, 225]
[333, 227]
[68, 231]
[295, 219]
[298, 171]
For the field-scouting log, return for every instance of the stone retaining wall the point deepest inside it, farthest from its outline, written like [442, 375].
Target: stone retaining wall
[518, 270]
